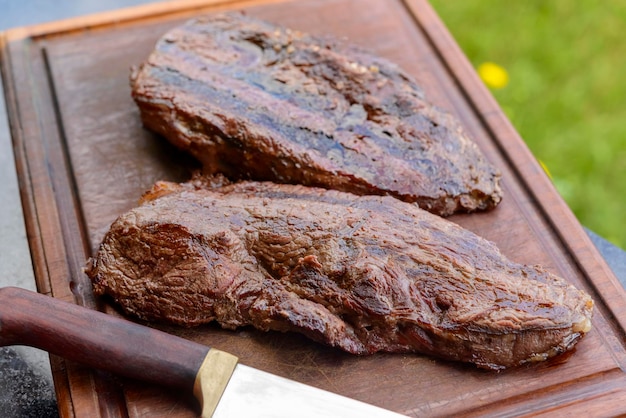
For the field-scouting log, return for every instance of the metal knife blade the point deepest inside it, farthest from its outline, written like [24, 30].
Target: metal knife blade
[223, 387]
[255, 393]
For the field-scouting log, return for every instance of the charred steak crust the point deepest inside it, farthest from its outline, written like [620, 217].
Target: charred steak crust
[364, 274]
[254, 100]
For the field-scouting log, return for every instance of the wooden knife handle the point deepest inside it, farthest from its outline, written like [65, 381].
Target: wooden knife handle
[97, 339]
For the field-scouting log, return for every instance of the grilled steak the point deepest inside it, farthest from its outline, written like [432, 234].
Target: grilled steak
[253, 100]
[364, 274]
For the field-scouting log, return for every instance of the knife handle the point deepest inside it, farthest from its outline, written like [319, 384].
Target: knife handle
[98, 340]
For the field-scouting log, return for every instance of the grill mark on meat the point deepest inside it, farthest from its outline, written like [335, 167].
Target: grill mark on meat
[363, 274]
[254, 100]
[256, 116]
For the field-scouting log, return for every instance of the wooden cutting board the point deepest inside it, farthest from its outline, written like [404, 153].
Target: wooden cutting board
[83, 158]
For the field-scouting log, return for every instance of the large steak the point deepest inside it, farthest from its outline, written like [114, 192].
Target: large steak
[253, 100]
[364, 274]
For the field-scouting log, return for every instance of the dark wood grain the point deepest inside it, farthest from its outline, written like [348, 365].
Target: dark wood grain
[98, 340]
[83, 158]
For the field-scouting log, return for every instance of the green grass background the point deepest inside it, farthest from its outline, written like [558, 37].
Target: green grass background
[566, 96]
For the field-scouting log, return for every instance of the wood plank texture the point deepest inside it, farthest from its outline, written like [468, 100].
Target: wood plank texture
[83, 158]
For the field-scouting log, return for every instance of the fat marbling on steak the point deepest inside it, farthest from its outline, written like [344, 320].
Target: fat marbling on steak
[364, 274]
[253, 100]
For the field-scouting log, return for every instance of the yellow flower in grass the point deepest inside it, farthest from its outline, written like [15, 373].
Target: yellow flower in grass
[493, 75]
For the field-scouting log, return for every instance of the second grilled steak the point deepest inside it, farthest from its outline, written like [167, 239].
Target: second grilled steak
[254, 100]
[364, 274]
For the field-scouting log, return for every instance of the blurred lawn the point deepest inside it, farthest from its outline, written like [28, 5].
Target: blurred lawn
[566, 95]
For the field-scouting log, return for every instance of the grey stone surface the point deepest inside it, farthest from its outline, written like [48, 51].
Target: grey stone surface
[24, 392]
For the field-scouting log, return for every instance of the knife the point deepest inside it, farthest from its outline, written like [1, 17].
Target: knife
[223, 387]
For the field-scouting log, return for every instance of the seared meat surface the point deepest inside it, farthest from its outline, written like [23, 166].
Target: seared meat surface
[253, 100]
[364, 274]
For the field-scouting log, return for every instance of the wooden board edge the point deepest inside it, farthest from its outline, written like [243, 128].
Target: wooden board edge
[65, 406]
[555, 210]
[124, 15]
[604, 391]
[65, 374]
[35, 244]
[24, 179]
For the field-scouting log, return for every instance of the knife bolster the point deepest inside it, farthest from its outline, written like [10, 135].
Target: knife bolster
[212, 379]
